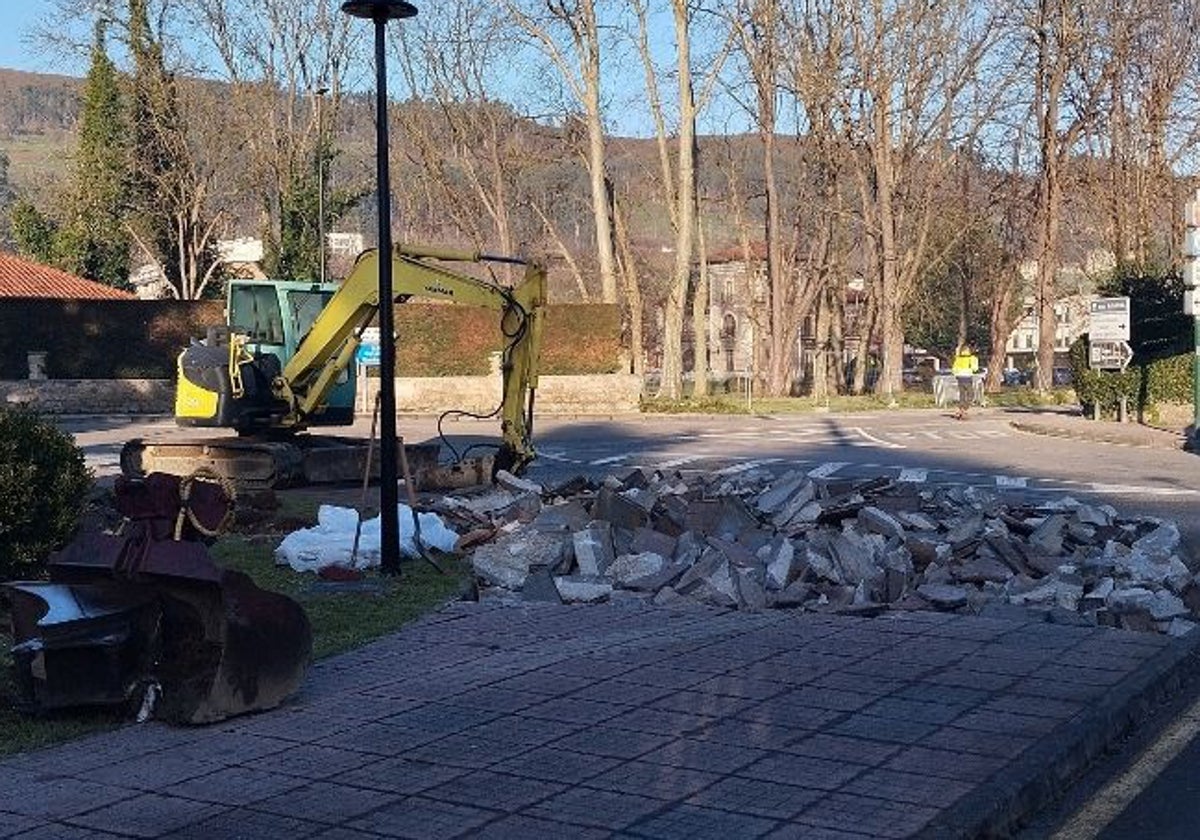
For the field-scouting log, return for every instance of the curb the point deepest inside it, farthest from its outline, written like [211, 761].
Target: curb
[1045, 770]
[1163, 439]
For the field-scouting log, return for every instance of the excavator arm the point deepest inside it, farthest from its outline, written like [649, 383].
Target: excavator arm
[328, 348]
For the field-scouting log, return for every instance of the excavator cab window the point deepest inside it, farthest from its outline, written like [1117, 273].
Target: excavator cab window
[304, 307]
[254, 312]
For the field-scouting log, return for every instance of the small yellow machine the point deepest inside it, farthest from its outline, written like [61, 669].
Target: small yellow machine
[282, 364]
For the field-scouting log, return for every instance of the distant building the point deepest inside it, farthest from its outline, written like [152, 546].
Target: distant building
[339, 244]
[149, 283]
[1071, 320]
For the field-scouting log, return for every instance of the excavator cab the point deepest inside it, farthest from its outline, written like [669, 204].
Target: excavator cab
[229, 379]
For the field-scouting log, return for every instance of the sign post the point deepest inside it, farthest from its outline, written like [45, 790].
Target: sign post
[1108, 334]
[1191, 282]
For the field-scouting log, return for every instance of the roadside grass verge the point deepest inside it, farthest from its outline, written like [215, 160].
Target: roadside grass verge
[342, 618]
[738, 404]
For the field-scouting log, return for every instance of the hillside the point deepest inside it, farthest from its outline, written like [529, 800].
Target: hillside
[38, 113]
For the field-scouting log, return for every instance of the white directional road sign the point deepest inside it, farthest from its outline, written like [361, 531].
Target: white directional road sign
[1109, 319]
[1109, 355]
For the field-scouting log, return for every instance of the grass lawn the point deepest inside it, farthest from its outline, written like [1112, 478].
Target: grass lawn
[738, 404]
[340, 621]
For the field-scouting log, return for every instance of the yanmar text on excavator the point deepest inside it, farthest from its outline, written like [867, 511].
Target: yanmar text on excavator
[282, 364]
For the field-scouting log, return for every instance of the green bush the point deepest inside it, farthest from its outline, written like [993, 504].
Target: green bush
[43, 488]
[1144, 384]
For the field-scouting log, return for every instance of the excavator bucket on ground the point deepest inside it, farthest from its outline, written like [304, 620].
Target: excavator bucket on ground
[147, 610]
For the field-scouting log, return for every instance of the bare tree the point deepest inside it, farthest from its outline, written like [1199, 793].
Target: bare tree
[569, 33]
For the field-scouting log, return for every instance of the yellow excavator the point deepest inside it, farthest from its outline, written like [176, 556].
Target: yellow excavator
[282, 364]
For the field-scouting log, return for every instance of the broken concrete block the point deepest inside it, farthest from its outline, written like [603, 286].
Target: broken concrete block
[1097, 596]
[524, 508]
[612, 507]
[517, 485]
[880, 522]
[1166, 570]
[1165, 606]
[1161, 543]
[647, 539]
[982, 570]
[719, 588]
[751, 593]
[856, 556]
[926, 549]
[633, 570]
[773, 499]
[795, 506]
[506, 562]
[796, 594]
[1128, 599]
[1138, 621]
[943, 596]
[561, 518]
[582, 589]
[1180, 627]
[594, 551]
[1041, 594]
[539, 586]
[779, 557]
[916, 520]
[699, 570]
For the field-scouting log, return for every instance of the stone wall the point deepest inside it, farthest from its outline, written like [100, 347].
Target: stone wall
[588, 394]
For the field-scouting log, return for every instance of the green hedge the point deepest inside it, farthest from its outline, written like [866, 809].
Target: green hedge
[1144, 383]
[140, 339]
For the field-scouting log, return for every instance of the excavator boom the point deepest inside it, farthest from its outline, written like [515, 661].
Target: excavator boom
[238, 381]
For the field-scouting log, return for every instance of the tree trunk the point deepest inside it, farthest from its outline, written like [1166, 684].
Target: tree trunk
[700, 330]
[633, 293]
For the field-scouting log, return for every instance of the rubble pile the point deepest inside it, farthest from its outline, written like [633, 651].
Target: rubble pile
[756, 541]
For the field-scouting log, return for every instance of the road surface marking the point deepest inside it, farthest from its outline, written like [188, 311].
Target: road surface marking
[1111, 802]
[826, 470]
[600, 462]
[1148, 491]
[913, 475]
[1013, 481]
[557, 456]
[963, 435]
[748, 465]
[678, 462]
[887, 444]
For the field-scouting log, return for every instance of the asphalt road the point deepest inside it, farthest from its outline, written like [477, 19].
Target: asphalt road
[924, 447]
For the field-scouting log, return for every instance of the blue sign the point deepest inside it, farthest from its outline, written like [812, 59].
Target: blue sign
[367, 353]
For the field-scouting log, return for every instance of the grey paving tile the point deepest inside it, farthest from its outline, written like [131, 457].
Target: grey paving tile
[230, 747]
[953, 739]
[325, 802]
[655, 780]
[800, 831]
[916, 710]
[1055, 690]
[473, 750]
[147, 815]
[740, 686]
[1006, 723]
[495, 791]
[309, 761]
[750, 733]
[441, 718]
[700, 703]
[342, 833]
[969, 767]
[864, 815]
[790, 715]
[57, 797]
[417, 818]
[378, 739]
[59, 831]
[11, 823]
[960, 677]
[399, 775]
[522, 827]
[841, 748]
[803, 771]
[556, 765]
[612, 742]
[887, 729]
[692, 822]
[826, 698]
[234, 786]
[494, 699]
[663, 676]
[859, 683]
[1024, 704]
[661, 721]
[514, 730]
[925, 692]
[897, 786]
[244, 824]
[595, 808]
[704, 755]
[759, 797]
[292, 724]
[586, 668]
[151, 772]
[575, 710]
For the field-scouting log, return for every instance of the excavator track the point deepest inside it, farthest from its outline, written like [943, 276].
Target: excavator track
[253, 465]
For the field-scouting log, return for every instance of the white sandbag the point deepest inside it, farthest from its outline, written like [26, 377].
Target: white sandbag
[331, 541]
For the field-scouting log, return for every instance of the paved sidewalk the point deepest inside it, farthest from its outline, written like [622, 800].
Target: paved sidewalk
[555, 722]
[1074, 425]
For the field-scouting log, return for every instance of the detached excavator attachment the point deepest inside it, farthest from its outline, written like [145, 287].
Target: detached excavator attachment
[146, 611]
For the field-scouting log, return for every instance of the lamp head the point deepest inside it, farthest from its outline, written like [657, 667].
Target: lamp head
[379, 9]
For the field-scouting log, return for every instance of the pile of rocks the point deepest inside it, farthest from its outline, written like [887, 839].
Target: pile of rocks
[756, 541]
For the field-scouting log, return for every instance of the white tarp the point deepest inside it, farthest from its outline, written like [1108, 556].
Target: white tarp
[331, 540]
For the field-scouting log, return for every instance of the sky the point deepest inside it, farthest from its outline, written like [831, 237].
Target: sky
[18, 19]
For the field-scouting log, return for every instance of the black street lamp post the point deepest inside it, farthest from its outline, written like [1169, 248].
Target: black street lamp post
[381, 11]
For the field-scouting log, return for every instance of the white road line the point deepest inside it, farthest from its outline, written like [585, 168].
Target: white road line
[1145, 491]
[887, 444]
[913, 475]
[747, 466]
[600, 462]
[555, 456]
[1110, 802]
[826, 470]
[1012, 481]
[678, 462]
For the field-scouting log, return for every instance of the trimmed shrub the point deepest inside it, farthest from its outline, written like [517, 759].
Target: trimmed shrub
[43, 489]
[1144, 384]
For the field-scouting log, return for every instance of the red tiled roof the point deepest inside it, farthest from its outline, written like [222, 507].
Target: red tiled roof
[21, 278]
